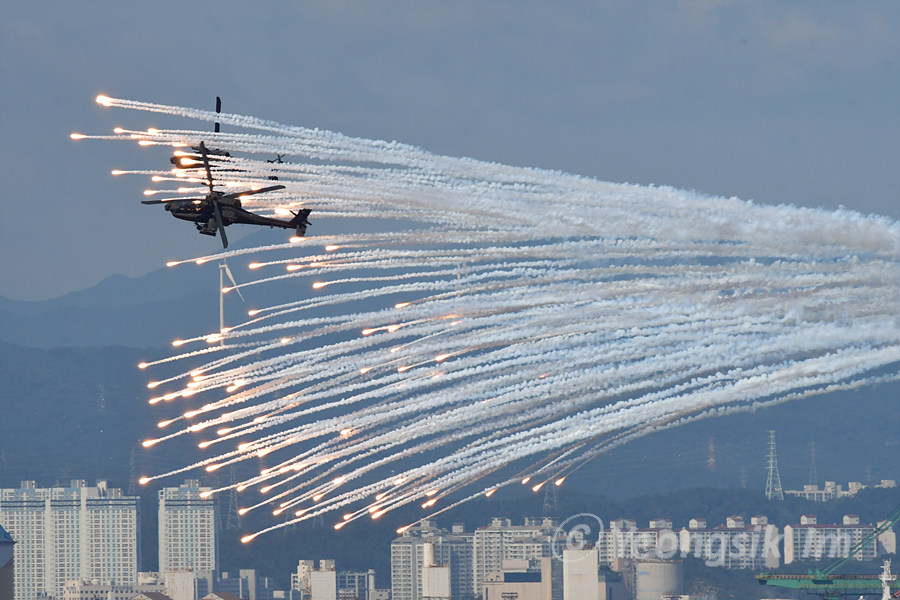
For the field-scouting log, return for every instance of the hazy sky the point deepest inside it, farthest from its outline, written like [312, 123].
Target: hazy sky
[779, 102]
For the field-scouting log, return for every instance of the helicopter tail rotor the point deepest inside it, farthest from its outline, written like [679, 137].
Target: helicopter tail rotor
[300, 223]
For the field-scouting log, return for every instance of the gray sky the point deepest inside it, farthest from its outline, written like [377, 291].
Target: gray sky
[772, 101]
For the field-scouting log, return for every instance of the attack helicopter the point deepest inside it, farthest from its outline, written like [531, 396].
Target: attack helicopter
[217, 209]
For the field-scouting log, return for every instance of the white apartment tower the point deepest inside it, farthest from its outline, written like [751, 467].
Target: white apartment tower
[501, 540]
[811, 541]
[424, 555]
[67, 533]
[324, 583]
[187, 528]
[734, 544]
[624, 541]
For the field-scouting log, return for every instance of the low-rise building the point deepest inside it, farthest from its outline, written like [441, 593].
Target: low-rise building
[832, 490]
[584, 578]
[245, 583]
[93, 589]
[522, 579]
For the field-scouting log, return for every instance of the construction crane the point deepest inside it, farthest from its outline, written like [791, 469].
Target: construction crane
[826, 583]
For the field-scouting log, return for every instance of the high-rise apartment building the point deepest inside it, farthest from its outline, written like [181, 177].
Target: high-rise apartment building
[356, 584]
[734, 544]
[187, 528]
[625, 541]
[69, 533]
[419, 554]
[811, 541]
[6, 564]
[501, 540]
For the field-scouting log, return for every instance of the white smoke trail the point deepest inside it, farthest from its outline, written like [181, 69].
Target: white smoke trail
[518, 318]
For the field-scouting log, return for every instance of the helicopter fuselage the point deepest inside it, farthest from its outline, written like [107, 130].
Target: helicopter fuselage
[201, 212]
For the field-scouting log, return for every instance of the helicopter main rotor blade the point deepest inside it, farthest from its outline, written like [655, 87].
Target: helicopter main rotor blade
[251, 192]
[220, 223]
[172, 200]
[209, 178]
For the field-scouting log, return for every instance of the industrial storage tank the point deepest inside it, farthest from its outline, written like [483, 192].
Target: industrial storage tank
[652, 579]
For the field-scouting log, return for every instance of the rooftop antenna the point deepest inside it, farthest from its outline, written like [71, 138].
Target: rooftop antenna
[773, 481]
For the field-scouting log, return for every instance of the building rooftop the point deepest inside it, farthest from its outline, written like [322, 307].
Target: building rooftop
[830, 526]
[5, 538]
[152, 596]
[221, 596]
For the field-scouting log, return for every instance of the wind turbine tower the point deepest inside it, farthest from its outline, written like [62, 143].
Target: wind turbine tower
[223, 271]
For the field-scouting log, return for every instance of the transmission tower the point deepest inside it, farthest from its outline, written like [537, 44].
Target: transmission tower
[711, 458]
[743, 477]
[773, 481]
[232, 519]
[551, 501]
[813, 476]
